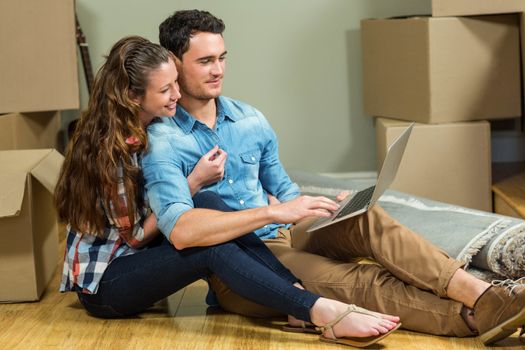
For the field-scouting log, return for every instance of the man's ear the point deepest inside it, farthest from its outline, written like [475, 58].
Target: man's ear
[178, 63]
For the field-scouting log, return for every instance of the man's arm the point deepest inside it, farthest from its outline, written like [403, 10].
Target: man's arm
[204, 227]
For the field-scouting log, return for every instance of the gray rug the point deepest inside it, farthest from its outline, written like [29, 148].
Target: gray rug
[491, 245]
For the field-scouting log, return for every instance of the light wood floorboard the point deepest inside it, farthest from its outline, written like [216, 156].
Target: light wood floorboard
[182, 321]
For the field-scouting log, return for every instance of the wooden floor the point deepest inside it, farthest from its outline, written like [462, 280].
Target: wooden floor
[182, 321]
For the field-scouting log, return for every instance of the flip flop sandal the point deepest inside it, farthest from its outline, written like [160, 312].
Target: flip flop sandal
[358, 342]
[303, 328]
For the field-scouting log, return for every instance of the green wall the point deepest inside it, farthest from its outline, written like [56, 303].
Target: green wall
[298, 61]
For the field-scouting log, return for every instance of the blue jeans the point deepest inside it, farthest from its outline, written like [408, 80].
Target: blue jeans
[244, 264]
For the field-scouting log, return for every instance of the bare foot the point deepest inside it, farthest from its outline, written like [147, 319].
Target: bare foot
[355, 324]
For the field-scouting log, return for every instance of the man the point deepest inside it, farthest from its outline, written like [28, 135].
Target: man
[413, 279]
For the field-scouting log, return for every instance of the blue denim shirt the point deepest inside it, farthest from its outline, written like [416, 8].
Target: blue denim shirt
[252, 168]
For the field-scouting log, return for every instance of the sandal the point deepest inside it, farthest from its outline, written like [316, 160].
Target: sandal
[303, 328]
[358, 342]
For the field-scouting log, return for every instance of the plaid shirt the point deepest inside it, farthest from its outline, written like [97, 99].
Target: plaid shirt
[87, 256]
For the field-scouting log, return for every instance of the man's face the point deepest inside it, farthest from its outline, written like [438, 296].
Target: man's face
[202, 67]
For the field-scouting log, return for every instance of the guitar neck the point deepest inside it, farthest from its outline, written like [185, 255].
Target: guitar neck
[86, 64]
[84, 52]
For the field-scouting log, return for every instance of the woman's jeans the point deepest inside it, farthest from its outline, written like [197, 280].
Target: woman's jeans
[135, 282]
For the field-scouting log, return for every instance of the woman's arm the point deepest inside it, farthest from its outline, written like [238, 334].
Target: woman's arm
[208, 170]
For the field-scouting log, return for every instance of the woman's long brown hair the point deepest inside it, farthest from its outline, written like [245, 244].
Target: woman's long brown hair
[88, 180]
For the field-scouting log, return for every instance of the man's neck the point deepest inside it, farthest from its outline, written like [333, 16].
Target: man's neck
[204, 111]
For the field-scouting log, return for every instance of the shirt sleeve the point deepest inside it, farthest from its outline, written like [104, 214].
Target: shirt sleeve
[168, 191]
[131, 233]
[272, 175]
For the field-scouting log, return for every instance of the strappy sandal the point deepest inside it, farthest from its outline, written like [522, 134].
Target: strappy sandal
[303, 328]
[358, 342]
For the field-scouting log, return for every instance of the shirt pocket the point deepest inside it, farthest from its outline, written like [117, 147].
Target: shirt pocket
[250, 168]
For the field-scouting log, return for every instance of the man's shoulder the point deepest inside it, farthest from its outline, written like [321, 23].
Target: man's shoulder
[163, 126]
[239, 108]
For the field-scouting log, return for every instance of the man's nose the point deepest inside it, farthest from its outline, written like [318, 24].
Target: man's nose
[217, 68]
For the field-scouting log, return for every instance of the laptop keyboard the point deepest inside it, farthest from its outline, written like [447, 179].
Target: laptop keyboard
[358, 202]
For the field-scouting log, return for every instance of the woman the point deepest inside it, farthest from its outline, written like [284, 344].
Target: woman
[113, 244]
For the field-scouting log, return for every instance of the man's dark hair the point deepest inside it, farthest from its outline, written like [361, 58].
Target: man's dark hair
[175, 32]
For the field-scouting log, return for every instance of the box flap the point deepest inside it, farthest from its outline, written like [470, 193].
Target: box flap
[48, 169]
[442, 8]
[12, 186]
[43, 164]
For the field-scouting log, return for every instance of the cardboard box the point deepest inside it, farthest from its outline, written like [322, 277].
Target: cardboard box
[30, 130]
[450, 163]
[28, 222]
[38, 64]
[475, 7]
[413, 70]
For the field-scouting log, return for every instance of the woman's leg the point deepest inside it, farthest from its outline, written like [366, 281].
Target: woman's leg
[163, 270]
[250, 242]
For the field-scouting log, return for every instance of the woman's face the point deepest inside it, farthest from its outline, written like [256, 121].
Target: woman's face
[161, 95]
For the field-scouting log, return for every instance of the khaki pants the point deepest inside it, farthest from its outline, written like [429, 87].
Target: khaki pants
[409, 279]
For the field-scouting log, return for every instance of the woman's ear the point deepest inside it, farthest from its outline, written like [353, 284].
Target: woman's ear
[133, 97]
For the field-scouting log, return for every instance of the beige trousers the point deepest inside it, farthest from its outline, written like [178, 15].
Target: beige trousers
[409, 279]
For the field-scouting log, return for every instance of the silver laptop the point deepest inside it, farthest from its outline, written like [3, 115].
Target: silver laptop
[359, 202]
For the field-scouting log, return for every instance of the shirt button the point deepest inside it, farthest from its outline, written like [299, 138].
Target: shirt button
[253, 159]
[230, 181]
[241, 201]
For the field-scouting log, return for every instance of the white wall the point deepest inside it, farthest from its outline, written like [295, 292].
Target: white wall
[298, 61]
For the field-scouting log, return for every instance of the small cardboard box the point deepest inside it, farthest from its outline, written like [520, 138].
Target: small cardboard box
[440, 70]
[450, 163]
[28, 222]
[38, 62]
[475, 7]
[30, 130]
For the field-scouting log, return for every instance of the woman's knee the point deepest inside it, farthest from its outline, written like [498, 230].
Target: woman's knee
[210, 200]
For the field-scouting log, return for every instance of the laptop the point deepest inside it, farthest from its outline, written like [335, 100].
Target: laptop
[359, 202]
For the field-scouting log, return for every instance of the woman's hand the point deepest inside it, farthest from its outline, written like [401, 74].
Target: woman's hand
[273, 200]
[208, 170]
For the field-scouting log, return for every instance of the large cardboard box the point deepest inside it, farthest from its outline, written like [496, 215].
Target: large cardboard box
[475, 7]
[30, 130]
[445, 162]
[439, 70]
[28, 222]
[38, 60]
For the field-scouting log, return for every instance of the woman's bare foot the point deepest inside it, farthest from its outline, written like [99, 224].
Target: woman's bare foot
[355, 324]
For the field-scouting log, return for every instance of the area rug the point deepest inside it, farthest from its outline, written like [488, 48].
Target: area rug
[492, 246]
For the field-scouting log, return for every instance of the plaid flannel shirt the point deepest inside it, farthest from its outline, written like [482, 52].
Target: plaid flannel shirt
[87, 256]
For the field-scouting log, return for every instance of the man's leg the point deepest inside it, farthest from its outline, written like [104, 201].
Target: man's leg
[376, 235]
[419, 263]
[372, 287]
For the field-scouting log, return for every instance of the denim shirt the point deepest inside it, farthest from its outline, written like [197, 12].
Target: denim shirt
[252, 168]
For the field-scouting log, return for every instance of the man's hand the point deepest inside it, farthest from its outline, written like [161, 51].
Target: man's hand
[208, 170]
[302, 207]
[342, 196]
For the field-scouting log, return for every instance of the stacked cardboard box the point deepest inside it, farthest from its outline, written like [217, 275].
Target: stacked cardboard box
[448, 72]
[38, 66]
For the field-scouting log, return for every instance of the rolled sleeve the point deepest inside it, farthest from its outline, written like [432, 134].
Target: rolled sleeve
[168, 191]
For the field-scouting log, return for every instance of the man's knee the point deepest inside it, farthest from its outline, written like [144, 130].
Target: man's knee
[232, 302]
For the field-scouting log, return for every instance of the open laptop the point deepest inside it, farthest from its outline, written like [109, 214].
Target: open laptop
[359, 202]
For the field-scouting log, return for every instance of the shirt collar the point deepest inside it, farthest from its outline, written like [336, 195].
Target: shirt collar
[186, 121]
